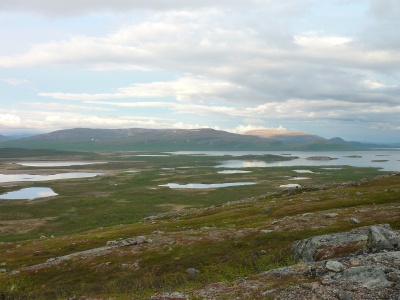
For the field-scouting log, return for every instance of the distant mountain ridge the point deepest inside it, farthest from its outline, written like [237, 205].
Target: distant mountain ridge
[294, 137]
[142, 139]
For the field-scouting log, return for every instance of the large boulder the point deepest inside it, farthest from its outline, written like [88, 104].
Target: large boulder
[381, 238]
[363, 239]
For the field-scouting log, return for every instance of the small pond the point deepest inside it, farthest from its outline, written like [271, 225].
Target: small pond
[29, 177]
[205, 186]
[233, 172]
[29, 194]
[303, 171]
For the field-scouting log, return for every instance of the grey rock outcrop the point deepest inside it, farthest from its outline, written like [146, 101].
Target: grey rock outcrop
[128, 242]
[170, 296]
[380, 238]
[360, 240]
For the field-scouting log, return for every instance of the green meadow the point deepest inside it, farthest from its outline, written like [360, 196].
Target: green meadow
[129, 190]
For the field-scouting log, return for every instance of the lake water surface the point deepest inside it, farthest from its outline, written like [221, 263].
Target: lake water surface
[204, 186]
[29, 194]
[29, 177]
[56, 163]
[387, 160]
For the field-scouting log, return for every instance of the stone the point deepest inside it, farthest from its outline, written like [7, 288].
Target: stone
[3, 271]
[111, 243]
[267, 211]
[127, 242]
[334, 266]
[329, 246]
[380, 238]
[331, 215]
[51, 259]
[345, 296]
[343, 244]
[393, 277]
[354, 263]
[140, 240]
[266, 231]
[157, 232]
[354, 220]
[192, 273]
[170, 296]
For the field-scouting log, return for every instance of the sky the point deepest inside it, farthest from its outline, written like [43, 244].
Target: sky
[326, 67]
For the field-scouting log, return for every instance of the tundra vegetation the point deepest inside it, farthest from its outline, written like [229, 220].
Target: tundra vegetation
[223, 234]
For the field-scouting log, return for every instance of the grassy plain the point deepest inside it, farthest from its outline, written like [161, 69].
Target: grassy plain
[129, 190]
[222, 241]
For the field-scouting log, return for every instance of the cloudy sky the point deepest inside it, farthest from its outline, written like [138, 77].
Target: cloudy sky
[327, 67]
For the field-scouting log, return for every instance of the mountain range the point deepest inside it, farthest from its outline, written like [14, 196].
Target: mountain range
[141, 139]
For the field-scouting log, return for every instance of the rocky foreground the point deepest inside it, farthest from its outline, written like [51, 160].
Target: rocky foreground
[363, 263]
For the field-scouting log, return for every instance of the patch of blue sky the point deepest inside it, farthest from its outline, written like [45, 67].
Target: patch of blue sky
[333, 17]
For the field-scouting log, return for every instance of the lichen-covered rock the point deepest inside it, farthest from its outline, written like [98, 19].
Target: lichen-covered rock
[127, 242]
[330, 245]
[371, 238]
[380, 238]
[334, 266]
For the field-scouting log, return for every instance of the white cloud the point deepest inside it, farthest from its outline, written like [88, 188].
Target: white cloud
[18, 82]
[313, 40]
[250, 61]
[64, 107]
[183, 89]
[10, 120]
[374, 84]
[245, 128]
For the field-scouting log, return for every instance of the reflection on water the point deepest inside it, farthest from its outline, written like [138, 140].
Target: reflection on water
[29, 177]
[243, 164]
[56, 163]
[29, 194]
[204, 186]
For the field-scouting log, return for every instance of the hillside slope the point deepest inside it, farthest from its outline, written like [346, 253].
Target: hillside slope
[84, 139]
[220, 252]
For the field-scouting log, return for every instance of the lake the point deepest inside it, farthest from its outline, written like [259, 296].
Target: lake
[29, 194]
[387, 160]
[204, 186]
[29, 177]
[55, 163]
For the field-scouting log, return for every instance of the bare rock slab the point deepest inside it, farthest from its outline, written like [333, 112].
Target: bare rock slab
[364, 239]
